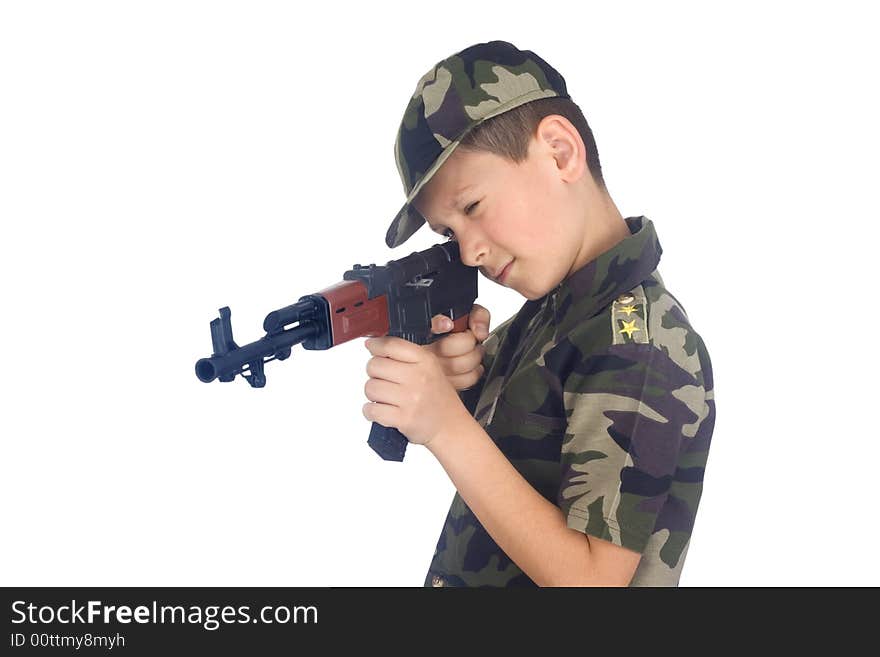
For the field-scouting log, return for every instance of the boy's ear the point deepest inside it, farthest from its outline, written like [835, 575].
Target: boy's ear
[564, 142]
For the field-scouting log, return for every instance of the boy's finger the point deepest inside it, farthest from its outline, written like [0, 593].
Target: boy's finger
[479, 321]
[480, 330]
[480, 314]
[454, 344]
[440, 324]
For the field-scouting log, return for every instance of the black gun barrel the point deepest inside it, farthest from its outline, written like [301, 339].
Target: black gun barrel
[301, 311]
[208, 369]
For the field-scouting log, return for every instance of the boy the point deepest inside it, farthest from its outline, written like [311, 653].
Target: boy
[577, 434]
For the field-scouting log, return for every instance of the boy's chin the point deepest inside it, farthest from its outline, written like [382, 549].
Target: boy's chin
[532, 294]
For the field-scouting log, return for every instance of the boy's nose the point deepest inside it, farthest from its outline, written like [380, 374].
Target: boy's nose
[472, 249]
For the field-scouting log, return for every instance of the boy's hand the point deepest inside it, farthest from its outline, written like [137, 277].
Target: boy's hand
[461, 354]
[410, 389]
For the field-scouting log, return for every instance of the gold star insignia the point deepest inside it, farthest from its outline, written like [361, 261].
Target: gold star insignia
[629, 310]
[629, 328]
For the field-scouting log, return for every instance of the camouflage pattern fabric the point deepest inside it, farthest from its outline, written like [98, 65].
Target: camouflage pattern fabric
[456, 95]
[601, 395]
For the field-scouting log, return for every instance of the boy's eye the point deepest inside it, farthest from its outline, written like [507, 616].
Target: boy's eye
[447, 233]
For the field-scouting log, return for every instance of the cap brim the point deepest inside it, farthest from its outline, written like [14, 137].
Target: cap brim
[408, 220]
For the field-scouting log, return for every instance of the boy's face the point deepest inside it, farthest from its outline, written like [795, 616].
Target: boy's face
[501, 214]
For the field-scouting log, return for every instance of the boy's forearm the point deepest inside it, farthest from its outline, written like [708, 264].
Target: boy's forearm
[530, 530]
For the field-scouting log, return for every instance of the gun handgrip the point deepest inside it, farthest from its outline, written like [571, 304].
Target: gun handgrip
[388, 442]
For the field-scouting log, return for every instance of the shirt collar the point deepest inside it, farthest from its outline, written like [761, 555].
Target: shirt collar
[600, 281]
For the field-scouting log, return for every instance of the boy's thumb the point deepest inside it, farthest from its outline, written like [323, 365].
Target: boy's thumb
[480, 321]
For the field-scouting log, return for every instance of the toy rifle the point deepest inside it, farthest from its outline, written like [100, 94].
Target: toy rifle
[397, 299]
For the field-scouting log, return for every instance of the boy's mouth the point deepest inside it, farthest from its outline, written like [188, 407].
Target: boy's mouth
[503, 273]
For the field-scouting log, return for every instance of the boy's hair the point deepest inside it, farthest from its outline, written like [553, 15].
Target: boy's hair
[507, 135]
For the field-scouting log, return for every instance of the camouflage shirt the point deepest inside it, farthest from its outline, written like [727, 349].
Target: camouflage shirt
[600, 394]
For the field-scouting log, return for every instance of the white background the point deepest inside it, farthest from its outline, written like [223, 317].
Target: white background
[159, 160]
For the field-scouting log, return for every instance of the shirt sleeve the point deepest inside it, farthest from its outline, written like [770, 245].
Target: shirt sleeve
[626, 408]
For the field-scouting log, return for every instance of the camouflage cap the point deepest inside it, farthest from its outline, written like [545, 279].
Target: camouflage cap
[457, 94]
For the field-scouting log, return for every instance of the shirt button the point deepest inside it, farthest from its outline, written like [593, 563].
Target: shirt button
[436, 580]
[625, 298]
